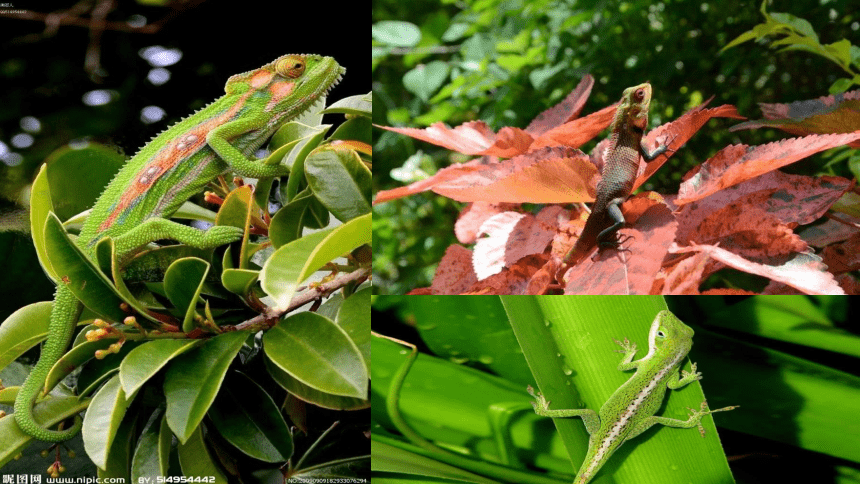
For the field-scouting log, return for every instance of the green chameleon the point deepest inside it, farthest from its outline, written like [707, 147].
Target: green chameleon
[134, 208]
[618, 175]
[630, 410]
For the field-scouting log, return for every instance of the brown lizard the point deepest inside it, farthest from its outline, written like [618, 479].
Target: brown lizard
[618, 175]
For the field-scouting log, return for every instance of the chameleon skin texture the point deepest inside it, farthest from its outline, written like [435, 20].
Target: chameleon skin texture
[619, 173]
[631, 408]
[175, 165]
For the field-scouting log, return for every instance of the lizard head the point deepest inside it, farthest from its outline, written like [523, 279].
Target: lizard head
[669, 333]
[290, 85]
[634, 105]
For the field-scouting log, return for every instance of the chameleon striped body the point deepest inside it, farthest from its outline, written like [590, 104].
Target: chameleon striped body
[619, 172]
[630, 410]
[175, 165]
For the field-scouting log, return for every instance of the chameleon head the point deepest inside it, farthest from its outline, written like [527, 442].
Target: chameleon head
[290, 84]
[636, 101]
[668, 330]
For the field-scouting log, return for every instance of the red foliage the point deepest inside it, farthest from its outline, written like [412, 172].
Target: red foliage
[735, 210]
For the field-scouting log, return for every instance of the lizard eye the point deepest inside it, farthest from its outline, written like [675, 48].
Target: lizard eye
[639, 94]
[292, 67]
[661, 334]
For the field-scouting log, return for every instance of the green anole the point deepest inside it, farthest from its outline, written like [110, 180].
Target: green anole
[134, 208]
[620, 167]
[630, 410]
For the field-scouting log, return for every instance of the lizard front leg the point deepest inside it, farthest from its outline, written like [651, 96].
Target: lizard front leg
[218, 140]
[589, 417]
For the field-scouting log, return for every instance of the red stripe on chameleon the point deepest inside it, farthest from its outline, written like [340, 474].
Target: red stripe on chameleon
[174, 152]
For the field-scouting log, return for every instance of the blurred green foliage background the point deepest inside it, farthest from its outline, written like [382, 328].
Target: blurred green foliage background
[505, 61]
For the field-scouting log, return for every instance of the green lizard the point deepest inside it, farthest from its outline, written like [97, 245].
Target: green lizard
[620, 168]
[630, 410]
[134, 208]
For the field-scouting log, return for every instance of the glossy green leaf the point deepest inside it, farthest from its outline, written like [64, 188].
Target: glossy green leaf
[22, 330]
[312, 395]
[237, 211]
[358, 129]
[41, 206]
[354, 318]
[182, 284]
[109, 264]
[194, 378]
[196, 461]
[286, 225]
[144, 361]
[340, 181]
[358, 105]
[239, 281]
[96, 371]
[118, 464]
[75, 358]
[293, 263]
[396, 33]
[79, 274]
[153, 449]
[103, 419]
[317, 352]
[258, 430]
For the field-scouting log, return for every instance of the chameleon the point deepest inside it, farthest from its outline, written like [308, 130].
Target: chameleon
[618, 174]
[134, 208]
[630, 410]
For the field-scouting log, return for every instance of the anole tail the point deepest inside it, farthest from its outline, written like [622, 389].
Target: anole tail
[64, 316]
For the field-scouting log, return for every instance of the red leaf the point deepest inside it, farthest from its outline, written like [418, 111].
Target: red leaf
[511, 236]
[825, 115]
[454, 275]
[471, 138]
[564, 111]
[791, 198]
[470, 219]
[682, 277]
[577, 132]
[843, 257]
[679, 132]
[804, 271]
[737, 163]
[551, 175]
[630, 272]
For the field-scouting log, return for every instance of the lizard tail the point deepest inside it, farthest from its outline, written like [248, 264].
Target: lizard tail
[64, 316]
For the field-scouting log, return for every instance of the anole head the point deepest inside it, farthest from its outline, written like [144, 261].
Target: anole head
[634, 106]
[669, 334]
[289, 85]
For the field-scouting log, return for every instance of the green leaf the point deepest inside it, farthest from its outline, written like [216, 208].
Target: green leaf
[182, 284]
[317, 352]
[103, 419]
[425, 79]
[340, 181]
[153, 449]
[144, 361]
[286, 225]
[312, 395]
[120, 452]
[41, 206]
[258, 431]
[196, 461]
[78, 176]
[840, 85]
[294, 262]
[79, 274]
[354, 318]
[359, 105]
[194, 378]
[396, 33]
[22, 330]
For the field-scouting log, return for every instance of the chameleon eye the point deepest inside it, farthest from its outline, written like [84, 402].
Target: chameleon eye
[639, 94]
[292, 67]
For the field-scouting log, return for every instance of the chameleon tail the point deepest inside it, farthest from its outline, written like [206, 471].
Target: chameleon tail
[64, 316]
